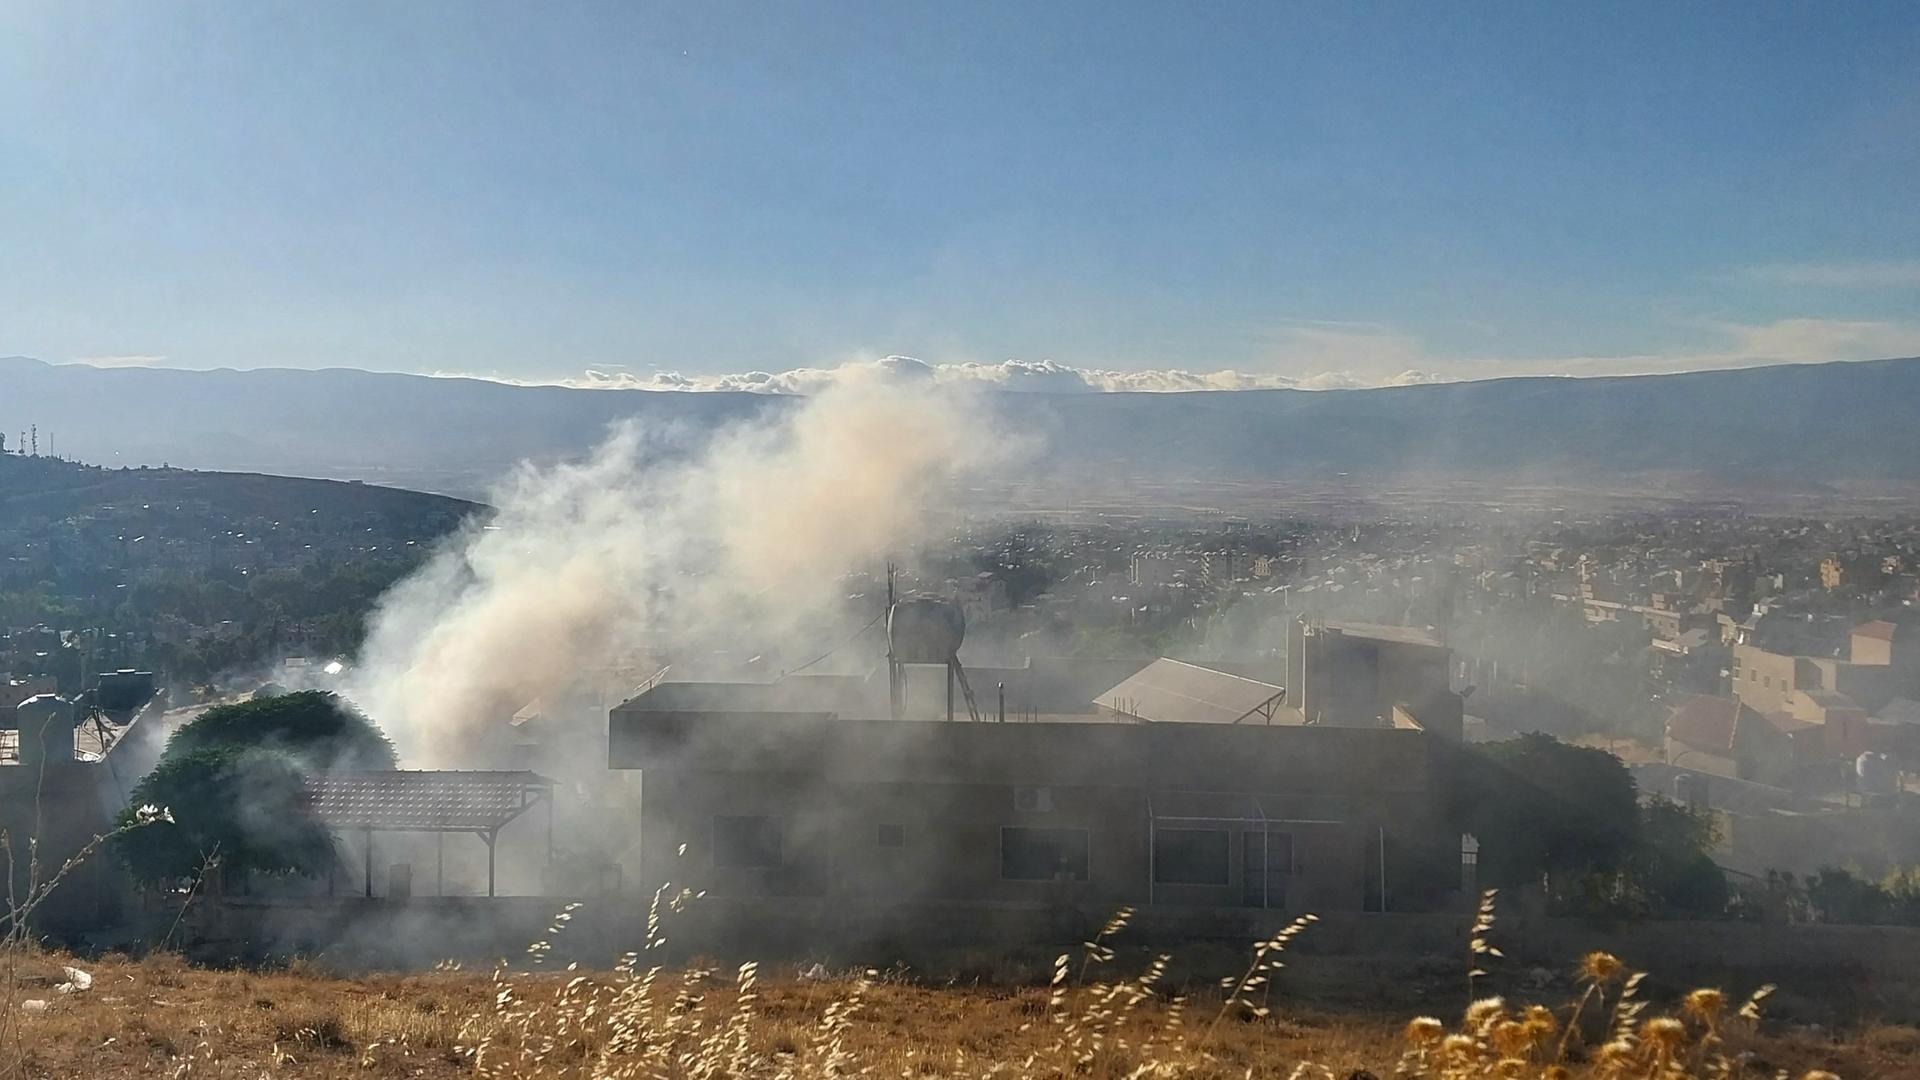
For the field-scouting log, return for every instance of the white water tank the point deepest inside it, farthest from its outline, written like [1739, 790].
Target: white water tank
[45, 723]
[1877, 774]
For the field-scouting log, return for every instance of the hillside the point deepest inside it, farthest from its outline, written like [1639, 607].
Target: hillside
[1797, 428]
[198, 573]
[37, 490]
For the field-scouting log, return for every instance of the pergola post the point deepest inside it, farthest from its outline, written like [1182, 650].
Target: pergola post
[481, 803]
[490, 836]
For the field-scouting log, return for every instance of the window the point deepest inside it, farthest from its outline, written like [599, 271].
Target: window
[1043, 854]
[746, 841]
[1190, 856]
[892, 836]
[1267, 861]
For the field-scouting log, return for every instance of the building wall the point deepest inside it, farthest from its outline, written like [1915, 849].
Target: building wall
[1763, 679]
[1353, 680]
[1766, 680]
[1868, 649]
[950, 844]
[65, 809]
[946, 792]
[1871, 686]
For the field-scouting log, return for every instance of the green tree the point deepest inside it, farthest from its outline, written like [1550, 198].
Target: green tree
[1673, 870]
[1542, 807]
[315, 726]
[247, 808]
[234, 779]
[1839, 896]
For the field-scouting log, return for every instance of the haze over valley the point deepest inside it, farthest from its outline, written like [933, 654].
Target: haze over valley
[1797, 432]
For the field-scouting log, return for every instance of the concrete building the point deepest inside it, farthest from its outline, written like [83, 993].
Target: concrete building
[1764, 679]
[62, 773]
[773, 799]
[1693, 661]
[1366, 674]
[1725, 737]
[1839, 723]
[1832, 573]
[1880, 666]
[1220, 569]
[1872, 642]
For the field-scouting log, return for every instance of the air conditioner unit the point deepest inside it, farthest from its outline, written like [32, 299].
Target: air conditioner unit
[1033, 800]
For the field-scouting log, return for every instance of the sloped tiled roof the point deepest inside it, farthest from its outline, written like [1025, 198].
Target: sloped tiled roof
[1878, 628]
[1706, 722]
[424, 801]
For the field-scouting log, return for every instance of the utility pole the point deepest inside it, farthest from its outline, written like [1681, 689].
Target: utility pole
[896, 690]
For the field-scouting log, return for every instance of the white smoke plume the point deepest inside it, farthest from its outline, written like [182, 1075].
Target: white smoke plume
[587, 566]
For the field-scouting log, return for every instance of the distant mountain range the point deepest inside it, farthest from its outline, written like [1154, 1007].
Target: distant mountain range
[1793, 428]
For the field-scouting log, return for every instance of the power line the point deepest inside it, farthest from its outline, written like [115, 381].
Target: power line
[837, 648]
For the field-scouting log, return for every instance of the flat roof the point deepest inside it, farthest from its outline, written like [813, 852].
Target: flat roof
[852, 695]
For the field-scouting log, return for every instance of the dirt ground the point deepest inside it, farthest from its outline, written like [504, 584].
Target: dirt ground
[160, 1017]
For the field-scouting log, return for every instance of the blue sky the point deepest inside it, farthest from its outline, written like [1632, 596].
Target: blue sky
[1348, 191]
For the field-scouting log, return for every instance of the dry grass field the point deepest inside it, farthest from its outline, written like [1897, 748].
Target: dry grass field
[159, 1017]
